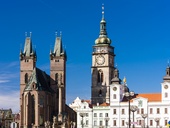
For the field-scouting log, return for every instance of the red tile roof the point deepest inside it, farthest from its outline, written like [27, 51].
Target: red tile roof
[105, 104]
[152, 97]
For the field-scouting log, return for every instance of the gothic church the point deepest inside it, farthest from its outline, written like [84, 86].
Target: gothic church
[43, 96]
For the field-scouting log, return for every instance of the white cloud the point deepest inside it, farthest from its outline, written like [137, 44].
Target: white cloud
[10, 100]
[9, 93]
[4, 81]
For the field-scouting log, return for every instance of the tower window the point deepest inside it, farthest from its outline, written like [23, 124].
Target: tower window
[56, 78]
[166, 94]
[26, 60]
[26, 78]
[100, 76]
[100, 92]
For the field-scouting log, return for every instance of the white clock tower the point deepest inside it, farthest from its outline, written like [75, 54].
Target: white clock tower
[102, 66]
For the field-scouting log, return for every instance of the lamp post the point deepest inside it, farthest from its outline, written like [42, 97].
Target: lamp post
[156, 120]
[127, 124]
[144, 117]
[133, 108]
[82, 116]
[129, 95]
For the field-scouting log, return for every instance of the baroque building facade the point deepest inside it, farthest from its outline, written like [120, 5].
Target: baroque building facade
[42, 96]
[109, 107]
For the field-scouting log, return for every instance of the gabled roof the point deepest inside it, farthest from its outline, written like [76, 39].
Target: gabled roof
[40, 79]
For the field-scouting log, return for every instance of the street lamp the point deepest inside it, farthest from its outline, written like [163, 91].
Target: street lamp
[133, 108]
[127, 124]
[129, 95]
[144, 117]
[156, 120]
[82, 116]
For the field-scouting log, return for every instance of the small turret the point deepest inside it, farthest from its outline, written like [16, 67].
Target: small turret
[167, 76]
[116, 78]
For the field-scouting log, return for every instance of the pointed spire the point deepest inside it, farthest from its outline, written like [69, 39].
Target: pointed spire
[103, 32]
[58, 48]
[28, 46]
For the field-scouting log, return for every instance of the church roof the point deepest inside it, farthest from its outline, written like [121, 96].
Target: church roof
[40, 79]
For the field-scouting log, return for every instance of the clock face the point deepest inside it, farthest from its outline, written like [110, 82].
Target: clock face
[166, 86]
[100, 60]
[114, 88]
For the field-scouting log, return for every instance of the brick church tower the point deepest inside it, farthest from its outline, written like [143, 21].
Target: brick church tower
[43, 96]
[58, 76]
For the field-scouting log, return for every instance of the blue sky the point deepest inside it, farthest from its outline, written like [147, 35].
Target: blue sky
[139, 30]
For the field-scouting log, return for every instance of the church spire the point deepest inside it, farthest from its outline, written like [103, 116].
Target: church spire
[58, 49]
[103, 39]
[28, 49]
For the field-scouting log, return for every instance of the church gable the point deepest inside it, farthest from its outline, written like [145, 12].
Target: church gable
[39, 81]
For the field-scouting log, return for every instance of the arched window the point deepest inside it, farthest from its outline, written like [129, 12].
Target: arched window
[26, 78]
[56, 78]
[100, 76]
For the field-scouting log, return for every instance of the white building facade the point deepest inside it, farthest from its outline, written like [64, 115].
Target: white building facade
[109, 107]
[84, 113]
[152, 109]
